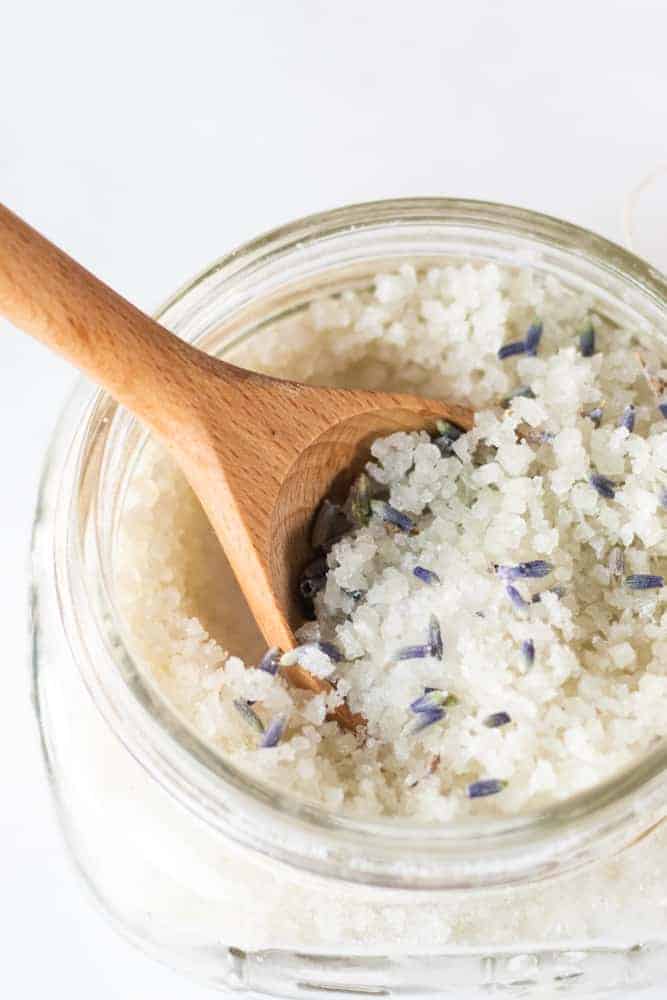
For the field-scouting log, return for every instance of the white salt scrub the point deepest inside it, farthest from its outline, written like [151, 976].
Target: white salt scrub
[495, 608]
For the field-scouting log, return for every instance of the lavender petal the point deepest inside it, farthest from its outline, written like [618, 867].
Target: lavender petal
[528, 651]
[595, 415]
[628, 418]
[274, 732]
[413, 652]
[533, 337]
[663, 409]
[644, 581]
[390, 515]
[516, 598]
[426, 575]
[271, 660]
[488, 786]
[603, 485]
[533, 569]
[497, 719]
[428, 718]
[508, 350]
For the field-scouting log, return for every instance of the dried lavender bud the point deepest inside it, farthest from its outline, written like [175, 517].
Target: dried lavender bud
[628, 418]
[270, 661]
[534, 569]
[508, 350]
[516, 598]
[587, 341]
[496, 720]
[595, 415]
[330, 650]
[435, 638]
[522, 392]
[313, 578]
[274, 732]
[413, 652]
[604, 486]
[663, 409]
[617, 561]
[243, 707]
[533, 337]
[430, 699]
[359, 500]
[528, 651]
[428, 718]
[329, 526]
[489, 786]
[390, 515]
[426, 575]
[644, 581]
[663, 497]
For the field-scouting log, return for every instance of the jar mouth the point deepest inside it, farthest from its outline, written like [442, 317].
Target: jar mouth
[227, 296]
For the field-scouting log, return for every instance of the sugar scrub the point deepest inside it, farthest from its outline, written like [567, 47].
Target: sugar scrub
[491, 602]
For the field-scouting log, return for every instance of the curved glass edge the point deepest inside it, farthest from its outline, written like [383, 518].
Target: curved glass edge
[605, 814]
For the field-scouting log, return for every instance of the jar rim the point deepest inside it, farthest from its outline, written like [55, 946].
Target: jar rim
[387, 852]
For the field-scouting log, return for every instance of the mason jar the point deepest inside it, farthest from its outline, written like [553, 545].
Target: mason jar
[236, 883]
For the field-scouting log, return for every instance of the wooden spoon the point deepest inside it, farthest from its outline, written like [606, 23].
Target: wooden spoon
[260, 453]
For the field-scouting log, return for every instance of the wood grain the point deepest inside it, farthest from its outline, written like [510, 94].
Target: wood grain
[260, 453]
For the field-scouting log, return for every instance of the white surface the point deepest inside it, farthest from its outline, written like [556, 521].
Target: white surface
[147, 138]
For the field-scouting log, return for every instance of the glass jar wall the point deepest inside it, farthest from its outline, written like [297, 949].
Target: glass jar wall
[232, 881]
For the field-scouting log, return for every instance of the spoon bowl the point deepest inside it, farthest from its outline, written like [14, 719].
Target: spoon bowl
[260, 453]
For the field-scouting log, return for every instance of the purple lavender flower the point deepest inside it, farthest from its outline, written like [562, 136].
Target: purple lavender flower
[426, 575]
[390, 515]
[432, 698]
[528, 651]
[328, 648]
[533, 569]
[508, 350]
[274, 732]
[644, 581]
[413, 652]
[488, 786]
[663, 497]
[595, 415]
[271, 660]
[603, 485]
[427, 718]
[496, 720]
[587, 341]
[663, 409]
[516, 598]
[533, 337]
[628, 418]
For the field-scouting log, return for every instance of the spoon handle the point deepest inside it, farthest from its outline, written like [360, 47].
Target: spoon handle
[144, 366]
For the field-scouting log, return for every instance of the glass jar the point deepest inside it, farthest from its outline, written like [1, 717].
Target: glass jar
[183, 852]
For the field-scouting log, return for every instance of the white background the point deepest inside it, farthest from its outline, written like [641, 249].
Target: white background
[149, 137]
